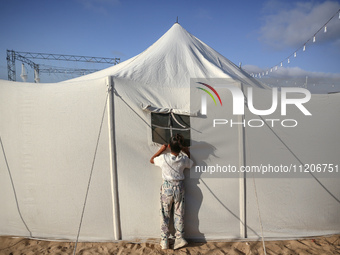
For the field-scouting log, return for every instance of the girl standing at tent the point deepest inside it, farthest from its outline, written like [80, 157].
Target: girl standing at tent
[172, 189]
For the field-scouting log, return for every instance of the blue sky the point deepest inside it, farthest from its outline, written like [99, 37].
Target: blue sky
[257, 33]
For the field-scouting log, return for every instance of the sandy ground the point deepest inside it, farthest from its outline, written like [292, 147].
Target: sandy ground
[318, 245]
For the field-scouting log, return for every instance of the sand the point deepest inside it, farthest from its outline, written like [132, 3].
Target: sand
[317, 245]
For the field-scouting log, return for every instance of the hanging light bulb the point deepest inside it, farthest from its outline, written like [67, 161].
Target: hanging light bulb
[271, 70]
[314, 39]
[281, 64]
[304, 47]
[288, 60]
[325, 30]
[275, 68]
[294, 54]
[267, 73]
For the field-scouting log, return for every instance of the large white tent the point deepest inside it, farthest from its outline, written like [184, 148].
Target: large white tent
[94, 135]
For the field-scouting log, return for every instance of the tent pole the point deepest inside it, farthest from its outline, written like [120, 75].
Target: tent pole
[242, 178]
[113, 164]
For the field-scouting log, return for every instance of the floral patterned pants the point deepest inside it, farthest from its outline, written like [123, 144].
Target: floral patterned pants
[172, 194]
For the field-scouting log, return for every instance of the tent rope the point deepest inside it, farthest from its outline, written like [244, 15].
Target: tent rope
[14, 191]
[91, 172]
[173, 116]
[255, 191]
[259, 214]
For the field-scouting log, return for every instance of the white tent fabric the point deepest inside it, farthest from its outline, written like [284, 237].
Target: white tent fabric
[173, 60]
[49, 134]
[312, 202]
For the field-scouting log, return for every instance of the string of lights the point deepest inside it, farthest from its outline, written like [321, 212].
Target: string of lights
[294, 54]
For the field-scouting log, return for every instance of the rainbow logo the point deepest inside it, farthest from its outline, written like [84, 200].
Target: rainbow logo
[204, 99]
[213, 90]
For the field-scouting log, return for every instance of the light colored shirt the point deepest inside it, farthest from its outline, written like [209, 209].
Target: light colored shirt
[172, 166]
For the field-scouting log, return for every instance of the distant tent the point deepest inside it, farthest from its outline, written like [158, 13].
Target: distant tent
[55, 135]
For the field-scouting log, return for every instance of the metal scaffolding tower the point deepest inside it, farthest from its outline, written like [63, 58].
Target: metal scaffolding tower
[26, 57]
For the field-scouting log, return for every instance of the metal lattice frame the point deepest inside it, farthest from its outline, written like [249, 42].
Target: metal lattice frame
[11, 65]
[47, 56]
[26, 56]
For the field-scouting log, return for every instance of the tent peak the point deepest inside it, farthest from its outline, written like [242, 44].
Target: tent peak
[176, 20]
